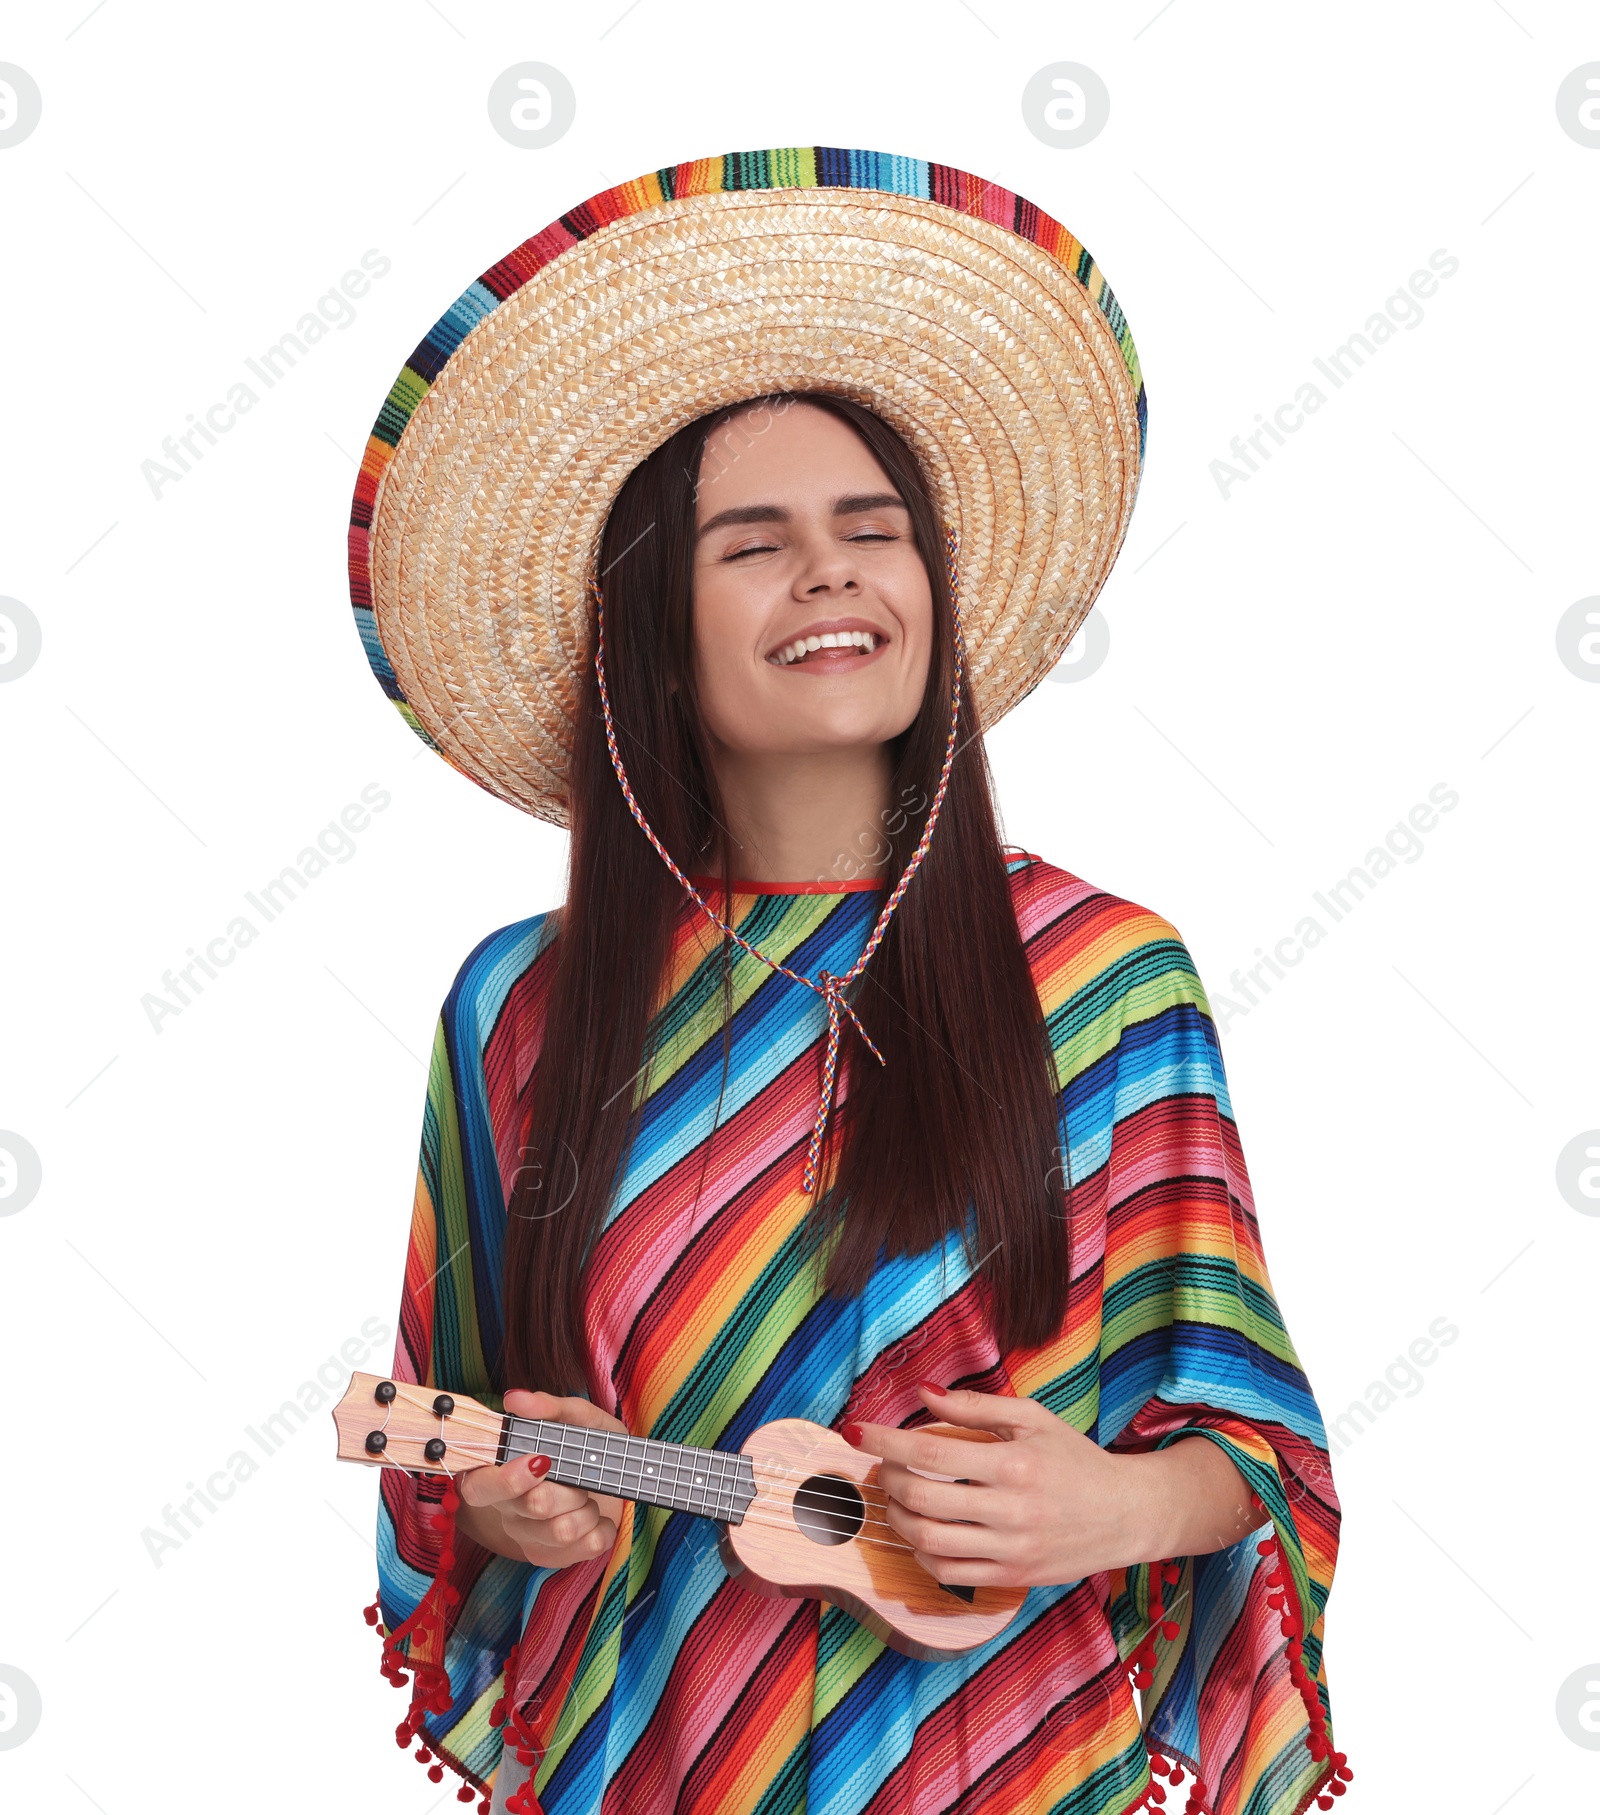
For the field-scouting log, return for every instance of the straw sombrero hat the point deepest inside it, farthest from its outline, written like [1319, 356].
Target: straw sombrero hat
[963, 314]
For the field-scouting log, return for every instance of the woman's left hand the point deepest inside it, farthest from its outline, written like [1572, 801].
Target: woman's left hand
[1044, 1505]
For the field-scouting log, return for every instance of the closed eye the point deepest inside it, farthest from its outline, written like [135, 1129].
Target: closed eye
[767, 548]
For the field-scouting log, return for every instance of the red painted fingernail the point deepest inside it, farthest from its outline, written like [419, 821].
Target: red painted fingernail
[538, 1466]
[932, 1386]
[851, 1434]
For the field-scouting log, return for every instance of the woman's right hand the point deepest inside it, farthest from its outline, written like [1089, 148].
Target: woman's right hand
[515, 1512]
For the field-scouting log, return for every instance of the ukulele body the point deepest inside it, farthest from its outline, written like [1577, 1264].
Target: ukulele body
[818, 1529]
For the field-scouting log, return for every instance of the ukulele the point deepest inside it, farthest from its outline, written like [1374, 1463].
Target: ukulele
[801, 1511]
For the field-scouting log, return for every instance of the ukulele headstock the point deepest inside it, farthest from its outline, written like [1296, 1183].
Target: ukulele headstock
[390, 1424]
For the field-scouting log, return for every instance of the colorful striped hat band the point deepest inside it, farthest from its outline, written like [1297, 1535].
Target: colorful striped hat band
[825, 983]
[962, 314]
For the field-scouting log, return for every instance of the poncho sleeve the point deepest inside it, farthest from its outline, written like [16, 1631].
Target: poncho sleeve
[449, 1611]
[1226, 1647]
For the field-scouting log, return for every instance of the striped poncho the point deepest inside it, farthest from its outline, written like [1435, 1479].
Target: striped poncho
[648, 1681]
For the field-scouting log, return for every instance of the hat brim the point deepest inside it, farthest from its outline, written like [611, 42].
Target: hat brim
[966, 317]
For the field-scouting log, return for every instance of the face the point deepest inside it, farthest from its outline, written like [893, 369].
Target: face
[813, 616]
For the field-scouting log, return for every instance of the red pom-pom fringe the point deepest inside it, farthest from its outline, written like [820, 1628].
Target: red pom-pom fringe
[519, 1740]
[1141, 1665]
[1285, 1603]
[1154, 1796]
[425, 1632]
[523, 1801]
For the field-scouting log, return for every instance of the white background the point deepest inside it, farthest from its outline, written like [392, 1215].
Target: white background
[1291, 668]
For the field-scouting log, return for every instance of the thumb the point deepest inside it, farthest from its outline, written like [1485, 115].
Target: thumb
[524, 1404]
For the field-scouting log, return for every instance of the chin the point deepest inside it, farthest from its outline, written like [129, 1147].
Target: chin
[822, 736]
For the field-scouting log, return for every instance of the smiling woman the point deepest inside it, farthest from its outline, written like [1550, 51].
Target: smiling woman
[834, 468]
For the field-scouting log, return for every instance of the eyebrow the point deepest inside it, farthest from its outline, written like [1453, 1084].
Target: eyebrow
[846, 506]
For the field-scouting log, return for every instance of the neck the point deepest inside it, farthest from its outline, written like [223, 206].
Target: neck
[817, 817]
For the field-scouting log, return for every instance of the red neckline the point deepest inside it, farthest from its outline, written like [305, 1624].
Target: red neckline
[739, 887]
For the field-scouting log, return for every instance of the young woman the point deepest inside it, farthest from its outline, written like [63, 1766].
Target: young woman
[815, 1101]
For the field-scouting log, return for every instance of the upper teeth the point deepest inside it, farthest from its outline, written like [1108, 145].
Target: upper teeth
[830, 639]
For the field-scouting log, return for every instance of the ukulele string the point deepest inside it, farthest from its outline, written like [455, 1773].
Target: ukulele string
[765, 1520]
[782, 1473]
[751, 1516]
[779, 1471]
[771, 1467]
[776, 1471]
[493, 1434]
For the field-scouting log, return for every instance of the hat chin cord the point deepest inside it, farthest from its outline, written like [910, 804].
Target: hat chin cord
[830, 987]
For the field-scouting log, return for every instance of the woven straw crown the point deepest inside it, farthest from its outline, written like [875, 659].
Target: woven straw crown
[965, 316]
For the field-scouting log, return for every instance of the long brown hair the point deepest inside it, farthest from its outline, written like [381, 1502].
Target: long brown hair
[956, 1132]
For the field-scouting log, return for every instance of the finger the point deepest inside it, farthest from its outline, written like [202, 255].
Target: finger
[546, 1499]
[947, 1500]
[489, 1486]
[568, 1527]
[535, 1539]
[954, 1543]
[1002, 1412]
[959, 1457]
[559, 1533]
[968, 1572]
[584, 1531]
[599, 1542]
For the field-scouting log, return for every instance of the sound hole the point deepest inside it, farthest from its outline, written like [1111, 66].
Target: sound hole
[829, 1509]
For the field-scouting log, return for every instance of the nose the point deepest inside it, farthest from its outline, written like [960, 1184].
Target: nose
[829, 566]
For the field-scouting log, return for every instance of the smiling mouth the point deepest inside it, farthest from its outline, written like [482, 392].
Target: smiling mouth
[831, 646]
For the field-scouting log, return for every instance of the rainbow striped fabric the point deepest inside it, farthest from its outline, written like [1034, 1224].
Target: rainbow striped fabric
[651, 1682]
[786, 167]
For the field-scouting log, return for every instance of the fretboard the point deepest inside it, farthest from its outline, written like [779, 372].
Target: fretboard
[710, 1482]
